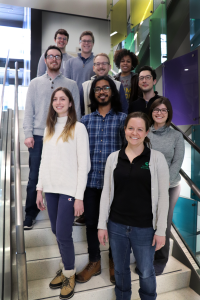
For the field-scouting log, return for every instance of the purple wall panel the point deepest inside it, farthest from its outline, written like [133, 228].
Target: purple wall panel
[180, 85]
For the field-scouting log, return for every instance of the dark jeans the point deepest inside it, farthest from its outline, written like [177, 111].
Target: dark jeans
[61, 214]
[91, 201]
[34, 164]
[162, 255]
[122, 239]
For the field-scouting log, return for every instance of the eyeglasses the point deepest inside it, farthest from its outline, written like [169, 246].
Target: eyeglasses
[86, 41]
[147, 77]
[51, 57]
[97, 90]
[162, 110]
[60, 39]
[102, 63]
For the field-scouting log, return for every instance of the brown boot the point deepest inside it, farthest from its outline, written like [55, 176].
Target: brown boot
[67, 290]
[92, 269]
[112, 271]
[56, 283]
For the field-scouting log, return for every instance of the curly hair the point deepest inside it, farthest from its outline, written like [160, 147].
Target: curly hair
[119, 54]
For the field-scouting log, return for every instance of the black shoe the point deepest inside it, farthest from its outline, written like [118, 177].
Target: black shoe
[80, 221]
[28, 223]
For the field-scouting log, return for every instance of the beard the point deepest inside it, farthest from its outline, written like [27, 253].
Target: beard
[104, 103]
[53, 68]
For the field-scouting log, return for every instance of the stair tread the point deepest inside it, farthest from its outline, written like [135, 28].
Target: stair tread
[183, 294]
[39, 289]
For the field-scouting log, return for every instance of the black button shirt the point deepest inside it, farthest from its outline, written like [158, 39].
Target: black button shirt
[132, 191]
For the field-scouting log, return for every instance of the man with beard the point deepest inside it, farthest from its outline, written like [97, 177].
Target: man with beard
[61, 39]
[146, 82]
[37, 106]
[105, 126]
[101, 67]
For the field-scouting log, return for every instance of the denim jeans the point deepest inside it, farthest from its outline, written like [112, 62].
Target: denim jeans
[91, 201]
[61, 214]
[34, 165]
[122, 239]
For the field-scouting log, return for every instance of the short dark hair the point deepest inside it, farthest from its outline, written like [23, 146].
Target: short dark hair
[61, 31]
[87, 32]
[145, 118]
[147, 68]
[119, 54]
[102, 54]
[115, 98]
[53, 47]
[167, 103]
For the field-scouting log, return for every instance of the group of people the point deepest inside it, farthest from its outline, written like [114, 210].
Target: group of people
[102, 146]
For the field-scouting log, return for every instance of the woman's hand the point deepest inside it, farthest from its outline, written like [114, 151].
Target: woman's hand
[159, 241]
[39, 201]
[103, 236]
[78, 207]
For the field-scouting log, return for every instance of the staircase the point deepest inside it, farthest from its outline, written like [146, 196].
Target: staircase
[43, 258]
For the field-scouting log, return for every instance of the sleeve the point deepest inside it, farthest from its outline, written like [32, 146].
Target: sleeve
[122, 132]
[68, 69]
[76, 97]
[105, 202]
[177, 160]
[131, 108]
[82, 102]
[163, 194]
[39, 186]
[29, 111]
[123, 100]
[41, 70]
[83, 157]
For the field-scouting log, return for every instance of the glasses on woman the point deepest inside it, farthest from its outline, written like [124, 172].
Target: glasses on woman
[97, 90]
[162, 110]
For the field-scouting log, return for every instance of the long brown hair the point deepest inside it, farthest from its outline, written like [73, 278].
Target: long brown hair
[146, 120]
[167, 103]
[68, 131]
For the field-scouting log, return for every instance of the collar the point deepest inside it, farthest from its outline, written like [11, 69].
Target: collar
[83, 58]
[111, 112]
[123, 155]
[161, 130]
[47, 75]
[153, 98]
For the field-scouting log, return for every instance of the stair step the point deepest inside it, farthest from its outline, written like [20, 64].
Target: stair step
[24, 173]
[183, 294]
[23, 185]
[176, 276]
[24, 156]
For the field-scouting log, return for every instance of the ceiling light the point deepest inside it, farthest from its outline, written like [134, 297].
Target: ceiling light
[113, 33]
[186, 69]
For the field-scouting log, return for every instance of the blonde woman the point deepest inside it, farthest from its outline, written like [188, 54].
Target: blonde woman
[63, 173]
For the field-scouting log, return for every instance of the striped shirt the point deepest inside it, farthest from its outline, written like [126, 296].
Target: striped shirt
[106, 135]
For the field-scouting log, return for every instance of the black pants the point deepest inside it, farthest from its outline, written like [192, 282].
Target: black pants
[91, 200]
[162, 255]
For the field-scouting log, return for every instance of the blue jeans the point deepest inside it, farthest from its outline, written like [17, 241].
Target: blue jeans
[61, 214]
[122, 238]
[34, 165]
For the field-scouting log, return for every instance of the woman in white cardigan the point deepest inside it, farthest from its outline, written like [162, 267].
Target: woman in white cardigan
[63, 174]
[134, 207]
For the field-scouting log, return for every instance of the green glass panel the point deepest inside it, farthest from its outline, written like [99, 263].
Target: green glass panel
[118, 24]
[158, 36]
[109, 6]
[140, 10]
[110, 55]
[194, 24]
[129, 42]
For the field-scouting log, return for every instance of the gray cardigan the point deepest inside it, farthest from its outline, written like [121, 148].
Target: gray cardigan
[159, 191]
[170, 143]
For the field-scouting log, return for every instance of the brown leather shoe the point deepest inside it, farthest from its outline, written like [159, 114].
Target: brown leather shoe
[92, 269]
[112, 271]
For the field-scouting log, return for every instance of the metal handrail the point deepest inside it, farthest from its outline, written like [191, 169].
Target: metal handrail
[186, 138]
[4, 82]
[20, 245]
[191, 184]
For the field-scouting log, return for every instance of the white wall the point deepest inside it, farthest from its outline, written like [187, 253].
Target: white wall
[90, 8]
[75, 25]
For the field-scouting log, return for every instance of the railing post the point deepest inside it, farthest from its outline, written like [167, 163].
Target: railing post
[20, 246]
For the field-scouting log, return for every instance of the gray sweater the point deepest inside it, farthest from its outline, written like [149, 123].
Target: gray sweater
[79, 71]
[38, 99]
[159, 191]
[170, 142]
[41, 70]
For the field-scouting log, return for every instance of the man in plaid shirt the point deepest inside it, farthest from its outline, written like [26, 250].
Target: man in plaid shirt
[105, 126]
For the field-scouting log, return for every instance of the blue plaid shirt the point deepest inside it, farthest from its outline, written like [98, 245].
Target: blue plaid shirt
[106, 135]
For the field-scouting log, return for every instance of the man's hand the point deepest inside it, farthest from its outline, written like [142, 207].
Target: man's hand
[159, 241]
[29, 142]
[39, 201]
[103, 236]
[78, 207]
